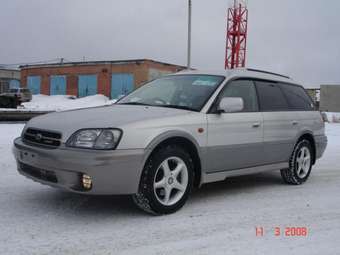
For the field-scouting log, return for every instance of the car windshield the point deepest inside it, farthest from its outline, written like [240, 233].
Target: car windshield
[188, 92]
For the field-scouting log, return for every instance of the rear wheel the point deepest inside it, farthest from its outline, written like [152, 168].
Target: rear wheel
[300, 164]
[7, 102]
[166, 181]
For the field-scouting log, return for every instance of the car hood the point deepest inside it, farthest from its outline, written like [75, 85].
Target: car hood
[68, 122]
[8, 94]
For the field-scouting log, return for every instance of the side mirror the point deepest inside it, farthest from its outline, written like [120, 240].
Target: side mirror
[231, 104]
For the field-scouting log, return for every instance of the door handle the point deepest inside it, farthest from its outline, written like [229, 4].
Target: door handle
[295, 123]
[256, 124]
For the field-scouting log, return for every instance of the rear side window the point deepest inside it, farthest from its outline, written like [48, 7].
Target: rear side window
[271, 97]
[297, 97]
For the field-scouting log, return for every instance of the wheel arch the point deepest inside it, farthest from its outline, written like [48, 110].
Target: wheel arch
[184, 140]
[308, 136]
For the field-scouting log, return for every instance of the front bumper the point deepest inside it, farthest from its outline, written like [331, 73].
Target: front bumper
[112, 172]
[320, 144]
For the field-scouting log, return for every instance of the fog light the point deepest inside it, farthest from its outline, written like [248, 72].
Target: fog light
[87, 181]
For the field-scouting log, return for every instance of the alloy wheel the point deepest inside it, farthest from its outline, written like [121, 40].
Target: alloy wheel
[303, 162]
[171, 181]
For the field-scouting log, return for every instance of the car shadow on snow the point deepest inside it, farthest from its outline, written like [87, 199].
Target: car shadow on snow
[79, 205]
[240, 185]
[63, 203]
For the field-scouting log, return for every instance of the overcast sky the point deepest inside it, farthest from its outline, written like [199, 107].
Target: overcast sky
[300, 38]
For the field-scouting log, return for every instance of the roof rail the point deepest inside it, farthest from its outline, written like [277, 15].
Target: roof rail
[261, 71]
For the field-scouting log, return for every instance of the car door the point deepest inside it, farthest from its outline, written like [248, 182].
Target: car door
[235, 140]
[280, 123]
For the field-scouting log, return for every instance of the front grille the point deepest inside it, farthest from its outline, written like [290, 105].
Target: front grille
[41, 174]
[42, 137]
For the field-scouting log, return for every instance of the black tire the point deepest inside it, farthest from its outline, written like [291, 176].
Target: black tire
[291, 175]
[146, 198]
[6, 102]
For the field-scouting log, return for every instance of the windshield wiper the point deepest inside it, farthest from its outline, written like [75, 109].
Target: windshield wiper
[182, 107]
[135, 103]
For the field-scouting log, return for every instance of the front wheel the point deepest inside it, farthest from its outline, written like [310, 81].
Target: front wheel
[166, 181]
[300, 164]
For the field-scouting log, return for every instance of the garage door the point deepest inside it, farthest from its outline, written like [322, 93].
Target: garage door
[87, 85]
[121, 84]
[33, 84]
[58, 85]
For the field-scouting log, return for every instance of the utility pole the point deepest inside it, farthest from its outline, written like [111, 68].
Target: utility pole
[189, 35]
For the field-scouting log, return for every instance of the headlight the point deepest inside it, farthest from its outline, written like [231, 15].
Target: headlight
[100, 139]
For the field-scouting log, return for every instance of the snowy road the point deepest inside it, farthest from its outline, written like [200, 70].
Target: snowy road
[218, 219]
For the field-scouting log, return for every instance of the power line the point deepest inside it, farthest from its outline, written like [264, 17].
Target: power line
[189, 35]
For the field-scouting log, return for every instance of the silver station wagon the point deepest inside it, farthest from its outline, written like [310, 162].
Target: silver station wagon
[176, 133]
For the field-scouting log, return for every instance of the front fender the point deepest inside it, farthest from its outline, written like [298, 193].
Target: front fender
[172, 134]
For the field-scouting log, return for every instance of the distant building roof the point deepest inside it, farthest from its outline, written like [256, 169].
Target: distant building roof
[318, 86]
[9, 70]
[330, 84]
[101, 62]
[311, 86]
[9, 73]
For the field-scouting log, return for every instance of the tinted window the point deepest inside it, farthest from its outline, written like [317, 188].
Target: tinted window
[271, 97]
[297, 97]
[244, 89]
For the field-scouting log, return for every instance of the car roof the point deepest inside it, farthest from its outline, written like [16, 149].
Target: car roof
[242, 73]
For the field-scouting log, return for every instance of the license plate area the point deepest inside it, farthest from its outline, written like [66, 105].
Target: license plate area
[39, 173]
[28, 157]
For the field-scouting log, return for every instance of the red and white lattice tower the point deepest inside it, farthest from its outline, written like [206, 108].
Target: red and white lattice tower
[236, 35]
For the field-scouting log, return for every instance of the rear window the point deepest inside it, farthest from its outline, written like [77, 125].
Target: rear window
[13, 90]
[271, 97]
[297, 97]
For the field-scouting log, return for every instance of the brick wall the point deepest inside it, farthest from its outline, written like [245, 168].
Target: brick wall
[140, 71]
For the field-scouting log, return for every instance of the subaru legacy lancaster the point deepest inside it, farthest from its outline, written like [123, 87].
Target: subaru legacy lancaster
[176, 133]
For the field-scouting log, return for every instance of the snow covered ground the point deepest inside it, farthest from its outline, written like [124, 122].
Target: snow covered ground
[61, 103]
[218, 219]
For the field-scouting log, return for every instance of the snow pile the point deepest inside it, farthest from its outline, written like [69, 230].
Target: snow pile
[61, 102]
[333, 117]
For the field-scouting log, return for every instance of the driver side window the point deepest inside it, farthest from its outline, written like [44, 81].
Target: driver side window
[244, 89]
